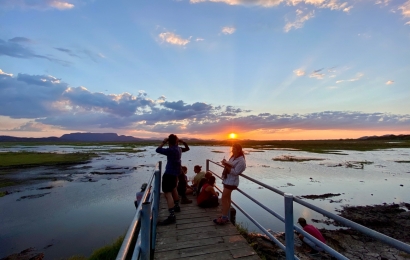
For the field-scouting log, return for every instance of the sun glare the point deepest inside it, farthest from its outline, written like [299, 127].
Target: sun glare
[232, 135]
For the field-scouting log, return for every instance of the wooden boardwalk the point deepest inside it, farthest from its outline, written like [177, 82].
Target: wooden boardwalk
[195, 236]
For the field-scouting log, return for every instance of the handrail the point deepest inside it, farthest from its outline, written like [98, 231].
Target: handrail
[139, 240]
[290, 227]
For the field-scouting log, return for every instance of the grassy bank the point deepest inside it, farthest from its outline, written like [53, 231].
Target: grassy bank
[32, 159]
[316, 146]
[107, 252]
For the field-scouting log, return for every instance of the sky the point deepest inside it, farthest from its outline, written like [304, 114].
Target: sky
[263, 69]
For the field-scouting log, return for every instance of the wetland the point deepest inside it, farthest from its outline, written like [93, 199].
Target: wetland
[69, 199]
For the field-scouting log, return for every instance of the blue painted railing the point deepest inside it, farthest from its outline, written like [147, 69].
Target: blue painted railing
[139, 242]
[289, 222]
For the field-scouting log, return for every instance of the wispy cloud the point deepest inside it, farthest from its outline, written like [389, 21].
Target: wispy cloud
[228, 30]
[299, 21]
[390, 82]
[15, 48]
[383, 2]
[6, 74]
[264, 3]
[299, 72]
[358, 76]
[317, 74]
[174, 39]
[21, 40]
[69, 52]
[405, 11]
[331, 4]
[37, 4]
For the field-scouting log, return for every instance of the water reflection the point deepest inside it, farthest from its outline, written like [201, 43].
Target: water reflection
[78, 215]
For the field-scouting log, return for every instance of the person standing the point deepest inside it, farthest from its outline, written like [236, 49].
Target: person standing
[312, 230]
[170, 176]
[235, 166]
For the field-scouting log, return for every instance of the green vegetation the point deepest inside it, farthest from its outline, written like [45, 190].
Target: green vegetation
[104, 253]
[2, 194]
[315, 146]
[32, 159]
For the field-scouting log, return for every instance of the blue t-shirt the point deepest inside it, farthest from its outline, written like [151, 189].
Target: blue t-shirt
[173, 154]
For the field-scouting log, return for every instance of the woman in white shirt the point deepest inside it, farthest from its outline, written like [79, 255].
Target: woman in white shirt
[235, 166]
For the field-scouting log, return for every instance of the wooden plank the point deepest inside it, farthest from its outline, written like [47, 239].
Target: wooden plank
[196, 251]
[195, 236]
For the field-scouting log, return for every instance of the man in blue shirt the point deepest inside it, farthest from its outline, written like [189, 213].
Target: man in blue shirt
[170, 177]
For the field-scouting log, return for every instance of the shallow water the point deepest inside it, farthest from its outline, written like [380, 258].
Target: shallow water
[84, 211]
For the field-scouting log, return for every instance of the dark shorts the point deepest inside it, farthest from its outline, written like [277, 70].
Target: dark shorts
[169, 182]
[230, 187]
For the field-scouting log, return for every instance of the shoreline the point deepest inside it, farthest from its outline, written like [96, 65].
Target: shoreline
[390, 219]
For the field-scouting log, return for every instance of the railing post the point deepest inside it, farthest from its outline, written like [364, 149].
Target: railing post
[146, 231]
[207, 164]
[289, 235]
[157, 193]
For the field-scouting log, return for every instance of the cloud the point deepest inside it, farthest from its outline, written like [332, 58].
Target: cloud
[317, 74]
[299, 72]
[5, 74]
[264, 3]
[82, 53]
[37, 4]
[390, 82]
[21, 39]
[31, 127]
[228, 30]
[300, 20]
[69, 52]
[46, 102]
[14, 48]
[331, 4]
[199, 39]
[405, 10]
[358, 76]
[383, 2]
[172, 38]
[181, 106]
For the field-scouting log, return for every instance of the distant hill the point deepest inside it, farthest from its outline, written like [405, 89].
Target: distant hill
[386, 137]
[98, 137]
[75, 137]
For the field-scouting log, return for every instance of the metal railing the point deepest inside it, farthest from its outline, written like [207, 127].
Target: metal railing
[290, 227]
[139, 242]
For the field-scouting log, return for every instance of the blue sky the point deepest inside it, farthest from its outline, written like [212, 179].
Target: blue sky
[265, 69]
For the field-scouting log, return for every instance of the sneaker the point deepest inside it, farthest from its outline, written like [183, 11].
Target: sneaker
[177, 208]
[221, 221]
[185, 201]
[167, 221]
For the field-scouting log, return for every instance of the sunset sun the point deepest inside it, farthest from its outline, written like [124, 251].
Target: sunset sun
[232, 135]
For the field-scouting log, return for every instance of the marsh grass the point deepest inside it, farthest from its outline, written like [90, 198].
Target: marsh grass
[32, 159]
[107, 252]
[314, 146]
